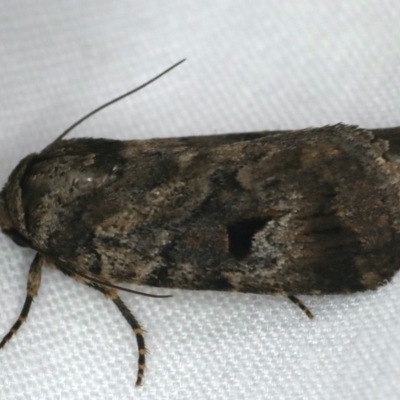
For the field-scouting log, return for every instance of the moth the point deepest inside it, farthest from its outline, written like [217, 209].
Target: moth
[287, 213]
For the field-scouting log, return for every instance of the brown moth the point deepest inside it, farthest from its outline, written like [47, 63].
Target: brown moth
[313, 212]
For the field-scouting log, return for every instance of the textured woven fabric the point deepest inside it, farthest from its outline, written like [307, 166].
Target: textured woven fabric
[252, 65]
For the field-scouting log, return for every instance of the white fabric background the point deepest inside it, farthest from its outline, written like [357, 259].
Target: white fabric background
[252, 65]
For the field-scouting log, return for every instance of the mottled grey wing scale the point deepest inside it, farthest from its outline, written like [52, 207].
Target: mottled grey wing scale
[262, 213]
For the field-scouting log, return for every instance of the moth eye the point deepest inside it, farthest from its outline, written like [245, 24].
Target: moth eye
[240, 235]
[17, 238]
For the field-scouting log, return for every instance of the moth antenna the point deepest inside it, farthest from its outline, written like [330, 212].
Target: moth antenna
[111, 286]
[73, 126]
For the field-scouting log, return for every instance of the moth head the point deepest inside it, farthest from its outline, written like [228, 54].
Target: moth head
[12, 215]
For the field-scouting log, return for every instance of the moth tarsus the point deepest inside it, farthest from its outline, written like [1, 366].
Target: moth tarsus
[301, 305]
[32, 289]
[310, 212]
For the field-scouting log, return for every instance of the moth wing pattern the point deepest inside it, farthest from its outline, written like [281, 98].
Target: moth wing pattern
[302, 212]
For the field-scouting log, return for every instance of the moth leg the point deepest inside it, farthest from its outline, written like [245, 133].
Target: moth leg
[301, 305]
[134, 324]
[34, 278]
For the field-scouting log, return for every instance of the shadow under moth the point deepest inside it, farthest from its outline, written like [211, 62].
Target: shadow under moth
[311, 212]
